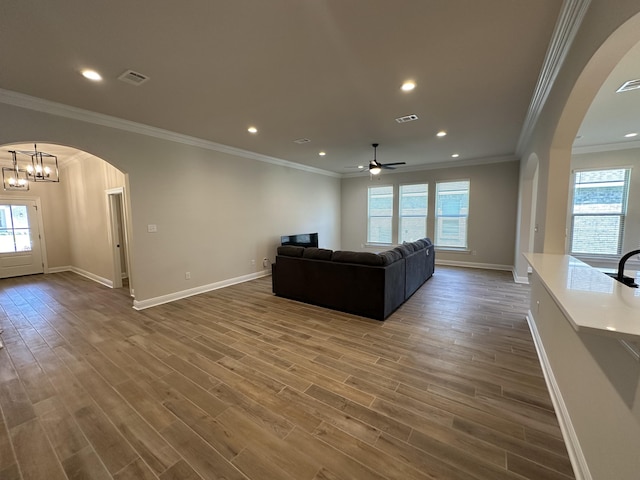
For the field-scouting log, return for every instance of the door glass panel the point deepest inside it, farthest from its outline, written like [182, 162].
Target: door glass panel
[15, 234]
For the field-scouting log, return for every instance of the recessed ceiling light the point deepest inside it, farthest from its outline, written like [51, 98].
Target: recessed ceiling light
[92, 75]
[455, 155]
[360, 167]
[252, 130]
[408, 86]
[629, 135]
[441, 133]
[322, 154]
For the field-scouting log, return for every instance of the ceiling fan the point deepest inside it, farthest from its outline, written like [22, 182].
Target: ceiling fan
[375, 167]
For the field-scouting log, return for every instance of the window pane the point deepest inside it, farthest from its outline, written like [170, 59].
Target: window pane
[23, 240]
[15, 235]
[598, 210]
[599, 191]
[452, 209]
[596, 234]
[451, 232]
[5, 216]
[19, 216]
[413, 212]
[380, 229]
[412, 228]
[7, 244]
[380, 214]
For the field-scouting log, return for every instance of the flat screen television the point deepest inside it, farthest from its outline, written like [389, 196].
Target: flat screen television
[301, 239]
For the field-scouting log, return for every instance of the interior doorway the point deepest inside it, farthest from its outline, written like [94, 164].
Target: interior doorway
[118, 237]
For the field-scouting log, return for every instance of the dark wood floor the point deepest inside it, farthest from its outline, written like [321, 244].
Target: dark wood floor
[239, 384]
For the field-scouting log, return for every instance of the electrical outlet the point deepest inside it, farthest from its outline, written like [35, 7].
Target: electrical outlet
[253, 263]
[187, 276]
[265, 262]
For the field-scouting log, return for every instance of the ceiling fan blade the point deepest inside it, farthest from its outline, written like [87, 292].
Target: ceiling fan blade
[385, 166]
[393, 163]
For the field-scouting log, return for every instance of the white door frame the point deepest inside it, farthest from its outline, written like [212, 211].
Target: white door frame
[118, 195]
[43, 243]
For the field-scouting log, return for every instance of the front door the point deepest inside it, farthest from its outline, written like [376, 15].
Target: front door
[20, 252]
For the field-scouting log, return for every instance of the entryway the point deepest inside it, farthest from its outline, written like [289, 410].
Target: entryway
[20, 239]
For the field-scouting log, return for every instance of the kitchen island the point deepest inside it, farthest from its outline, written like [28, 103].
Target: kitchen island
[586, 327]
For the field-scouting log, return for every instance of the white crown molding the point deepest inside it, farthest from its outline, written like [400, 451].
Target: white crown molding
[605, 147]
[433, 166]
[16, 99]
[567, 26]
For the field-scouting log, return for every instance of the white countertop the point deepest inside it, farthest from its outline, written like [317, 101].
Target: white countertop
[592, 301]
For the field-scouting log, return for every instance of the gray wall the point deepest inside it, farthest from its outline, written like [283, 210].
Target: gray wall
[492, 210]
[215, 212]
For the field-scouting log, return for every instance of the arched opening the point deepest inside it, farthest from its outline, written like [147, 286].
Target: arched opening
[593, 84]
[79, 223]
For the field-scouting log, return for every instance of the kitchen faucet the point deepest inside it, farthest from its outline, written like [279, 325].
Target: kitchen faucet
[623, 260]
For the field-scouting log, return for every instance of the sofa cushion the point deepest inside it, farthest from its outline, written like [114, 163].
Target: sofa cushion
[317, 253]
[361, 258]
[390, 256]
[415, 246]
[290, 250]
[404, 249]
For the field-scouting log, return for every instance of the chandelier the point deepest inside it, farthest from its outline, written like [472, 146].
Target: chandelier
[37, 167]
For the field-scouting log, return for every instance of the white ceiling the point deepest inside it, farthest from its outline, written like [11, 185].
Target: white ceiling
[612, 115]
[326, 70]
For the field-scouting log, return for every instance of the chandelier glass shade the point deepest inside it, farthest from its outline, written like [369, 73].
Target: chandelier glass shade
[13, 178]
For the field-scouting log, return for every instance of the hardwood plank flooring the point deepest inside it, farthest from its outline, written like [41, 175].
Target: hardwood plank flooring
[240, 384]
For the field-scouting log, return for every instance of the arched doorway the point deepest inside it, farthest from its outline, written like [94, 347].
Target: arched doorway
[81, 225]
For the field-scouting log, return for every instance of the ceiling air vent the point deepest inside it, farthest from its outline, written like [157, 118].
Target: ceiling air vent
[407, 118]
[133, 78]
[630, 85]
[300, 141]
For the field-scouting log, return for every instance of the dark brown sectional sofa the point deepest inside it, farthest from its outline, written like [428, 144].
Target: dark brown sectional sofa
[369, 284]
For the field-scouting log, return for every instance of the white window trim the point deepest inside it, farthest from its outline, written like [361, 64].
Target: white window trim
[435, 217]
[596, 256]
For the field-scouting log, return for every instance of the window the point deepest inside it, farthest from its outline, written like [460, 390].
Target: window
[380, 214]
[598, 211]
[15, 235]
[452, 211]
[413, 212]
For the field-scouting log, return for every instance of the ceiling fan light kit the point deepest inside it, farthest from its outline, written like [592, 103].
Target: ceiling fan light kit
[376, 167]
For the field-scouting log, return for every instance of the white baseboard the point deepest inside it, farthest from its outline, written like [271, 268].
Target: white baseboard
[576, 456]
[91, 276]
[484, 266]
[66, 268]
[518, 279]
[171, 297]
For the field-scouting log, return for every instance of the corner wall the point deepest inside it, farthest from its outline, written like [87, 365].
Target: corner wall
[87, 178]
